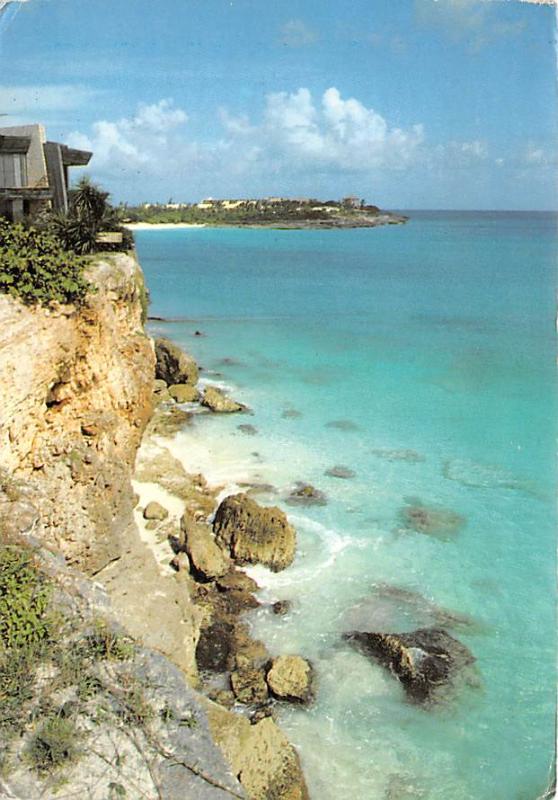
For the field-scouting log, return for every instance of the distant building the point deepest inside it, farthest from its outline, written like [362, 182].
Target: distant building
[351, 202]
[34, 172]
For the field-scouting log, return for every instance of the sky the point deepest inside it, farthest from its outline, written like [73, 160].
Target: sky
[407, 104]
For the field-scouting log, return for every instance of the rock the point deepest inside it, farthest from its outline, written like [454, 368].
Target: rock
[340, 472]
[222, 696]
[425, 661]
[304, 494]
[254, 534]
[291, 678]
[173, 365]
[155, 511]
[281, 607]
[249, 686]
[216, 401]
[431, 520]
[159, 386]
[206, 557]
[168, 420]
[184, 393]
[260, 755]
[247, 430]
[248, 652]
[215, 647]
[151, 524]
[181, 562]
[237, 581]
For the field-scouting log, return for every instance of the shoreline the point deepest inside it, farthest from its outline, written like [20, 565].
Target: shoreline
[381, 220]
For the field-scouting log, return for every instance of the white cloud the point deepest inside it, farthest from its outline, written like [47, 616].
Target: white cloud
[295, 33]
[133, 142]
[31, 100]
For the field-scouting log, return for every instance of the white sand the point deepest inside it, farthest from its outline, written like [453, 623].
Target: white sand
[148, 226]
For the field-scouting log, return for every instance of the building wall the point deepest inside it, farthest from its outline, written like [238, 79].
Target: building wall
[36, 164]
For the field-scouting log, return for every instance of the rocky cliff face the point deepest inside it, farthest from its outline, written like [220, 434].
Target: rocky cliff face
[76, 388]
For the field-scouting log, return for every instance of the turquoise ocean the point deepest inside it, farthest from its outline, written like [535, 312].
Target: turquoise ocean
[422, 358]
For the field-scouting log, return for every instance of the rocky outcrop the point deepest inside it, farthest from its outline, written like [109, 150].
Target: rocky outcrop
[426, 661]
[206, 557]
[77, 389]
[183, 393]
[216, 401]
[291, 678]
[260, 756]
[253, 534]
[304, 494]
[155, 511]
[173, 364]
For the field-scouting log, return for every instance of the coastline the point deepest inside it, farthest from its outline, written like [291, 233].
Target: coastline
[153, 226]
[346, 223]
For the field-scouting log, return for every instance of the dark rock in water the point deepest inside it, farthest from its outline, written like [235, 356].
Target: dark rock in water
[342, 425]
[173, 365]
[281, 607]
[228, 362]
[340, 472]
[199, 333]
[425, 661]
[215, 647]
[431, 520]
[248, 430]
[291, 413]
[306, 495]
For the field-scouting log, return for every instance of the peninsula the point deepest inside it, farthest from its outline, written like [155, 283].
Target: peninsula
[269, 212]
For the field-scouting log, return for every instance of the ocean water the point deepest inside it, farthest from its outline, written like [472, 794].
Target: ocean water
[421, 357]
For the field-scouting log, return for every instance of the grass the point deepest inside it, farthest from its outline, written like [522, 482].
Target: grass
[53, 667]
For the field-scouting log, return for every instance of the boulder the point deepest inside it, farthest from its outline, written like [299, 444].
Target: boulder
[216, 401]
[281, 607]
[237, 581]
[215, 647]
[249, 686]
[173, 365]
[260, 755]
[206, 557]
[159, 386]
[248, 652]
[291, 678]
[304, 494]
[425, 661]
[184, 393]
[254, 534]
[155, 511]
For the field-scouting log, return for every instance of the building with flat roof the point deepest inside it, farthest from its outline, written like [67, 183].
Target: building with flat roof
[34, 171]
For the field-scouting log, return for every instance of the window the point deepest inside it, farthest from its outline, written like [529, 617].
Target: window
[13, 171]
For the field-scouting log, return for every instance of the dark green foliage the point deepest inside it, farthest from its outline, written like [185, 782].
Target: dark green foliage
[90, 214]
[35, 268]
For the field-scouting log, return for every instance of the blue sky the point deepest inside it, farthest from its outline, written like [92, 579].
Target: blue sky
[410, 104]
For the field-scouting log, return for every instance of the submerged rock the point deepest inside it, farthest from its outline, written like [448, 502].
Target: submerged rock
[431, 520]
[399, 455]
[340, 472]
[248, 430]
[281, 607]
[254, 534]
[184, 393]
[216, 401]
[342, 425]
[291, 413]
[306, 495]
[424, 661]
[291, 678]
[173, 364]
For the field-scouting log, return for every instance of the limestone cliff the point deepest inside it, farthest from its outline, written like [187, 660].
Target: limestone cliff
[76, 396]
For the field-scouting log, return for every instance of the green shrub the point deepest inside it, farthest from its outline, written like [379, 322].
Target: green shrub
[24, 597]
[35, 268]
[53, 744]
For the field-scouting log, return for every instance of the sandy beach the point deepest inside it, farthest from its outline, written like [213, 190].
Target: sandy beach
[148, 226]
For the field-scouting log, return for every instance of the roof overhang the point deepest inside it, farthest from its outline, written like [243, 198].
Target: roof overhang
[74, 158]
[14, 144]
